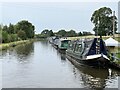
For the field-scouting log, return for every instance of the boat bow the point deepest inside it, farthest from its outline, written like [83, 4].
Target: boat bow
[96, 56]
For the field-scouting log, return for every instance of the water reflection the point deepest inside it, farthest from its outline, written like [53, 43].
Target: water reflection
[94, 78]
[24, 51]
[44, 44]
[3, 53]
[63, 56]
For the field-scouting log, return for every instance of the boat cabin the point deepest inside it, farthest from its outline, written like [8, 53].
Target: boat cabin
[63, 43]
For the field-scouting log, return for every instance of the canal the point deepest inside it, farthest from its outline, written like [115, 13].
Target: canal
[39, 65]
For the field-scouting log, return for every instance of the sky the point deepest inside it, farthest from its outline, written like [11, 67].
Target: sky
[54, 15]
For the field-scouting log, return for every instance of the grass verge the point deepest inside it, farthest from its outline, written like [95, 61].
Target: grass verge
[4, 46]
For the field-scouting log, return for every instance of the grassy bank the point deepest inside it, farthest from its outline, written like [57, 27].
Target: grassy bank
[4, 46]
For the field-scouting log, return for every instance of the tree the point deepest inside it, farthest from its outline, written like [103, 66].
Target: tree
[21, 34]
[22, 29]
[4, 37]
[80, 34]
[0, 36]
[27, 27]
[51, 33]
[1, 27]
[12, 37]
[103, 21]
[5, 28]
[61, 33]
[11, 29]
[86, 33]
[45, 33]
[71, 33]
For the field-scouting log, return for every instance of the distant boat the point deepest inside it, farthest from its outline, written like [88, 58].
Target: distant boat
[54, 41]
[91, 52]
[63, 43]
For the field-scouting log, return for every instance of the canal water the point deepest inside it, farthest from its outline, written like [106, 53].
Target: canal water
[39, 65]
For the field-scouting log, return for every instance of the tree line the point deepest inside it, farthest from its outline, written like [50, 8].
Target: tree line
[21, 31]
[62, 33]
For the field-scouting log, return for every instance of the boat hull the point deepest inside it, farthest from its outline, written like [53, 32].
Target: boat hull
[55, 46]
[62, 49]
[96, 62]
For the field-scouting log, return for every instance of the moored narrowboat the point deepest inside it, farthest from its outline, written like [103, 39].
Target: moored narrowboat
[91, 52]
[54, 41]
[63, 43]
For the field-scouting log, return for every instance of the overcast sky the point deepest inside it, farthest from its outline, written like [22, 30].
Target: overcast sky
[54, 15]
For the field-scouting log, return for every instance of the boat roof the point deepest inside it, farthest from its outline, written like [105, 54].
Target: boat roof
[79, 41]
[64, 39]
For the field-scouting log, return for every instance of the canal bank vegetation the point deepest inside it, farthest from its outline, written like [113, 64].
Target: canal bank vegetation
[23, 30]
[13, 44]
[13, 35]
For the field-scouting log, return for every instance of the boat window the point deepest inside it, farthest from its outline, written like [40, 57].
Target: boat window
[70, 46]
[64, 43]
[78, 48]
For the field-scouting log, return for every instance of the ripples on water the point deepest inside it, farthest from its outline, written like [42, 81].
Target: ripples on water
[39, 65]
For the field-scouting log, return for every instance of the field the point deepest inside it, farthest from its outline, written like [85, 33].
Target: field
[117, 37]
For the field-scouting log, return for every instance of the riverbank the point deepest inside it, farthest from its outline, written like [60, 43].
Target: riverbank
[4, 46]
